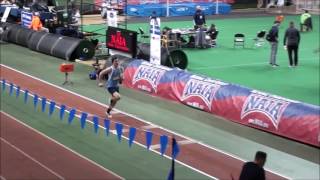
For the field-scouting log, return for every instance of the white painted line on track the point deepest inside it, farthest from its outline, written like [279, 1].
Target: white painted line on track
[131, 115]
[67, 148]
[185, 142]
[142, 145]
[31, 158]
[240, 65]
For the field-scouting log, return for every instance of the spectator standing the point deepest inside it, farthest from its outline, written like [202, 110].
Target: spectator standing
[291, 42]
[199, 18]
[254, 170]
[272, 37]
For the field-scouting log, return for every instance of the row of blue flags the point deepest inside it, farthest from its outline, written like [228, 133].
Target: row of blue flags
[119, 127]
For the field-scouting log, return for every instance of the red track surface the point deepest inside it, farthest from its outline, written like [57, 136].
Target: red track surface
[196, 155]
[26, 154]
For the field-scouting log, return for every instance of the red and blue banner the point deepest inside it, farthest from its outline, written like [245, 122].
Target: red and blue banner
[278, 115]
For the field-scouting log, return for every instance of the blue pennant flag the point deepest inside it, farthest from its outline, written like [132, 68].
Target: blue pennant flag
[83, 119]
[43, 104]
[62, 109]
[3, 84]
[71, 115]
[35, 101]
[26, 94]
[163, 144]
[119, 128]
[171, 173]
[51, 107]
[132, 135]
[107, 126]
[18, 91]
[11, 89]
[174, 154]
[95, 120]
[149, 136]
[175, 148]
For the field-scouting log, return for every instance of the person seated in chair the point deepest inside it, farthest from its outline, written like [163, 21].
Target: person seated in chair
[36, 23]
[212, 33]
[165, 36]
[305, 21]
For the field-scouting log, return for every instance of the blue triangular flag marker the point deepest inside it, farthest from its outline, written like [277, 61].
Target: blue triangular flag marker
[175, 148]
[149, 136]
[11, 89]
[43, 104]
[26, 94]
[51, 107]
[163, 144]
[83, 119]
[107, 126]
[71, 115]
[174, 154]
[132, 135]
[35, 101]
[119, 128]
[62, 109]
[95, 120]
[3, 84]
[18, 91]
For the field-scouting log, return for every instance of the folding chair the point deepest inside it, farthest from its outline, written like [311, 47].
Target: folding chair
[259, 40]
[239, 40]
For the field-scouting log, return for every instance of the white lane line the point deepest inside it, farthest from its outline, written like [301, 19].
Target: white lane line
[136, 142]
[115, 131]
[155, 146]
[182, 142]
[133, 116]
[147, 127]
[53, 140]
[185, 142]
[33, 159]
[241, 65]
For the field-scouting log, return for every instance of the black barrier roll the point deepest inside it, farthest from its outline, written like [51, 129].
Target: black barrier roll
[61, 46]
[34, 40]
[18, 34]
[6, 27]
[177, 57]
[85, 49]
[68, 48]
[47, 42]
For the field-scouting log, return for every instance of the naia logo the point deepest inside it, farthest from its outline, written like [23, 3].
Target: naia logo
[272, 108]
[118, 41]
[149, 74]
[199, 88]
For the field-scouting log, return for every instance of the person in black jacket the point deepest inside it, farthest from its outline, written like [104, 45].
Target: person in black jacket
[199, 18]
[291, 42]
[273, 39]
[254, 170]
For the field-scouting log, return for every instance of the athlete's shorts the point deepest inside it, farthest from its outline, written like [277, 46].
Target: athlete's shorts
[111, 90]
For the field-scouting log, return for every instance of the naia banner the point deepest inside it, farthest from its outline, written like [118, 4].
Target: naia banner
[288, 118]
[155, 41]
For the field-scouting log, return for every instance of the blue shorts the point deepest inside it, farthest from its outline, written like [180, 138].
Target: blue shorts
[111, 90]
